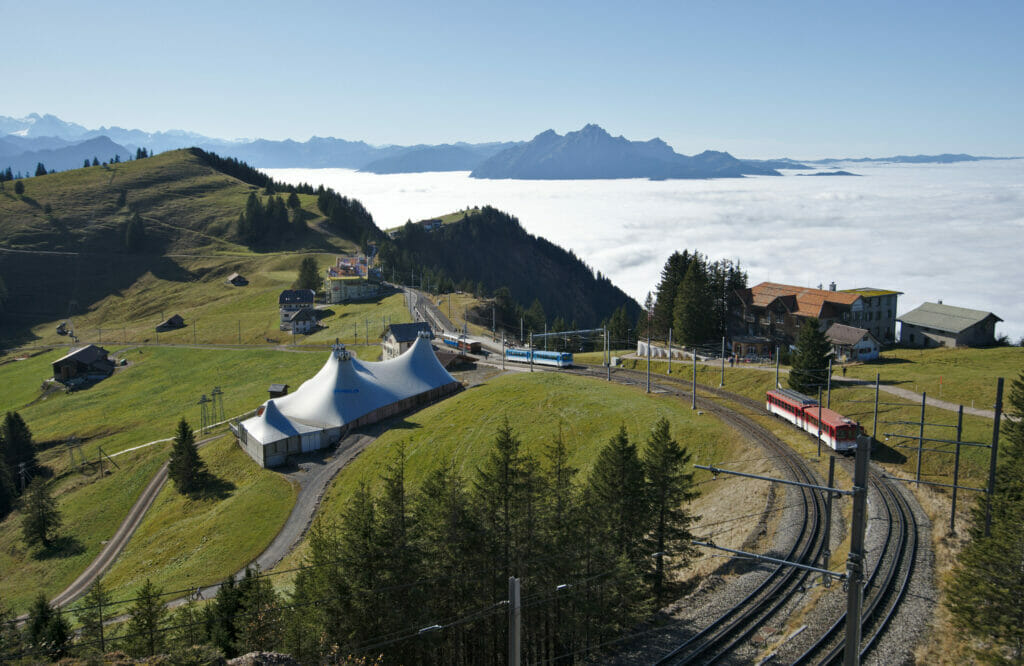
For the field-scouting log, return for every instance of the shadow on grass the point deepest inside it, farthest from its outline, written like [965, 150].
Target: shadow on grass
[64, 546]
[883, 360]
[884, 453]
[210, 486]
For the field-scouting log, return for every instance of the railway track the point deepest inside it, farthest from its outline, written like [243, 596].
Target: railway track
[887, 583]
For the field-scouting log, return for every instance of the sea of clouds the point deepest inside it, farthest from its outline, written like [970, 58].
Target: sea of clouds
[950, 232]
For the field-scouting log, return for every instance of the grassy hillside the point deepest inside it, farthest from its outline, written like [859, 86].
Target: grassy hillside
[589, 412]
[977, 368]
[216, 312]
[91, 508]
[63, 243]
[186, 542]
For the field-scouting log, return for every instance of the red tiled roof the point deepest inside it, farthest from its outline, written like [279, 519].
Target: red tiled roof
[809, 302]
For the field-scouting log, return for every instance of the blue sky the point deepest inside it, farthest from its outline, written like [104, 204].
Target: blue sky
[759, 79]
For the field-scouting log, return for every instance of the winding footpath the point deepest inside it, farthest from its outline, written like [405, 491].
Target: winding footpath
[312, 473]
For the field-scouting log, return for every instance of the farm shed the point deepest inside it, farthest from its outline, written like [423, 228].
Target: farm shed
[938, 325]
[237, 280]
[171, 323]
[87, 362]
[346, 393]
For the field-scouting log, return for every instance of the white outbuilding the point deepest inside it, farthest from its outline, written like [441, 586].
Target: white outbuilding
[345, 394]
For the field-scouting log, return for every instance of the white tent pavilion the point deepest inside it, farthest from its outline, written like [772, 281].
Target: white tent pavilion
[345, 394]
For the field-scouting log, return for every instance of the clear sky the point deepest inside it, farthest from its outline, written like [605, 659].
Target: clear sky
[759, 79]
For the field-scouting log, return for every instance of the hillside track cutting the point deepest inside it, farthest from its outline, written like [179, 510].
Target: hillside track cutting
[893, 553]
[772, 597]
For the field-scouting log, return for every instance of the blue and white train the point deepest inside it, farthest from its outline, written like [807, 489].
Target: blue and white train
[540, 357]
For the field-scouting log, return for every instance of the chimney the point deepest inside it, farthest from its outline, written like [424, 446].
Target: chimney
[832, 286]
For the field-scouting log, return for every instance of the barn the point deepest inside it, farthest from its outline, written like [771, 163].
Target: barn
[89, 362]
[345, 394]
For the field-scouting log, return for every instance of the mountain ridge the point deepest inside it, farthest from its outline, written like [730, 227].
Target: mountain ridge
[39, 132]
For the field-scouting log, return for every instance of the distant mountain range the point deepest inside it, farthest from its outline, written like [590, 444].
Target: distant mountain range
[593, 153]
[588, 153]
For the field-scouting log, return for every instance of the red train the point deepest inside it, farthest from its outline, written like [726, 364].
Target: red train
[839, 432]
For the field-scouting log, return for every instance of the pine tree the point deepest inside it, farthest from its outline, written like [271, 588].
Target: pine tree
[41, 519]
[665, 296]
[985, 592]
[95, 609]
[692, 310]
[85, 163]
[400, 558]
[309, 274]
[220, 617]
[618, 499]
[360, 555]
[257, 625]
[293, 201]
[46, 631]
[669, 487]
[19, 187]
[809, 369]
[8, 494]
[40, 169]
[189, 625]
[11, 646]
[147, 622]
[185, 468]
[16, 441]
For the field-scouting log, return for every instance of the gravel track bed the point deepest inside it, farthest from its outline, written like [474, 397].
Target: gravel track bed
[719, 592]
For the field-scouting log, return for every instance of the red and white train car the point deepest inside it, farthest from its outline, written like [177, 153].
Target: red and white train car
[839, 432]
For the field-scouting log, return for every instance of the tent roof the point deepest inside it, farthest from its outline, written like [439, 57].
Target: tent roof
[346, 388]
[272, 425]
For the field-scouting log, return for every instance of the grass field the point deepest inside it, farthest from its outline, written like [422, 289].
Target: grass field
[91, 508]
[967, 376]
[462, 428]
[187, 542]
[857, 403]
[144, 400]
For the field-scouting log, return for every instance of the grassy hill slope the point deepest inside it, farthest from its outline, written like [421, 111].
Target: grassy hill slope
[63, 242]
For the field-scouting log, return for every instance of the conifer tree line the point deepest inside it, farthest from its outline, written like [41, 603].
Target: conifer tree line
[595, 556]
[462, 254]
[692, 298]
[986, 590]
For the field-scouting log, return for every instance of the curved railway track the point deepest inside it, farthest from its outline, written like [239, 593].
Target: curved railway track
[885, 587]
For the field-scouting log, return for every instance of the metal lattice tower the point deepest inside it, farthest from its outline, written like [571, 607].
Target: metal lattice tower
[204, 416]
[218, 403]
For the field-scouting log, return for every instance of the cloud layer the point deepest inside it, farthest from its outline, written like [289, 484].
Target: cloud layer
[950, 232]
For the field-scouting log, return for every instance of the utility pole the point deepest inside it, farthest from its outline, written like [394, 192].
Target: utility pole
[193, 331]
[874, 421]
[829, 403]
[239, 331]
[777, 384]
[723, 362]
[693, 391]
[819, 420]
[531, 351]
[521, 338]
[23, 473]
[956, 468]
[920, 438]
[992, 460]
[648, 354]
[514, 615]
[855, 560]
[670, 351]
[608, 354]
[827, 555]
[503, 350]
